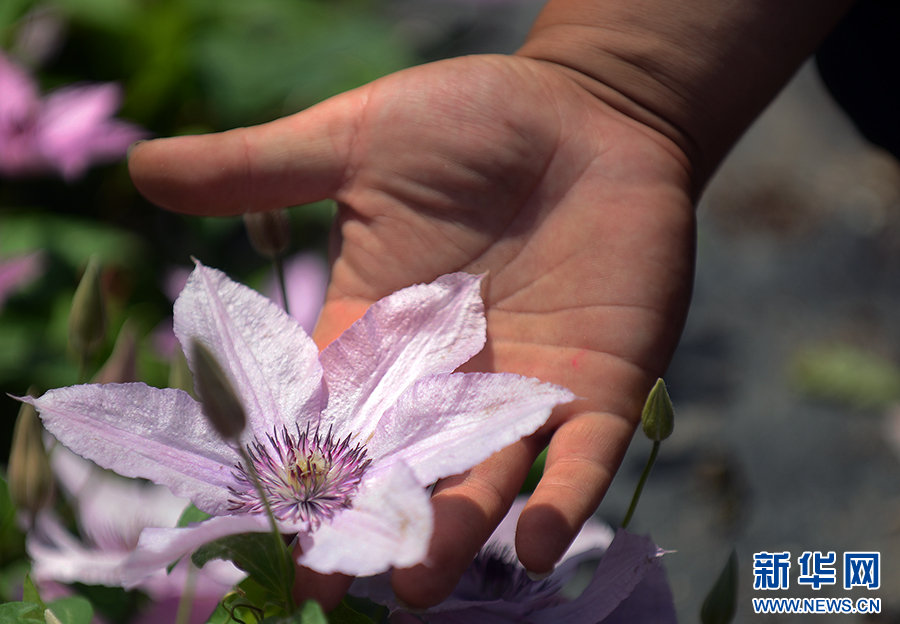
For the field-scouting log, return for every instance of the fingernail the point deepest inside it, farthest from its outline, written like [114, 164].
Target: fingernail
[538, 576]
[132, 146]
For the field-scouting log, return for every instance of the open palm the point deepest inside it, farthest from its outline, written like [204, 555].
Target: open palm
[581, 217]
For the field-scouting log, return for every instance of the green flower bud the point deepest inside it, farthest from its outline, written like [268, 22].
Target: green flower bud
[30, 475]
[87, 318]
[269, 232]
[220, 402]
[658, 417]
[180, 374]
[121, 366]
[721, 602]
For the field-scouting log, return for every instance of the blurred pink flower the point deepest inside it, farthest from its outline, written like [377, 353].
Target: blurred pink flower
[305, 278]
[63, 133]
[17, 272]
[111, 512]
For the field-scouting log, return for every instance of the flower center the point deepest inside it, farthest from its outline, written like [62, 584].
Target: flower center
[305, 477]
[495, 575]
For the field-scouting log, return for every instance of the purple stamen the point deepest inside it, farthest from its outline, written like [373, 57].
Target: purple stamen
[306, 478]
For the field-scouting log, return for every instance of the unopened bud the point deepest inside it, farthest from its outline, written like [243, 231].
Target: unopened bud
[220, 402]
[658, 417]
[269, 232]
[50, 617]
[121, 366]
[87, 318]
[721, 602]
[30, 475]
[179, 373]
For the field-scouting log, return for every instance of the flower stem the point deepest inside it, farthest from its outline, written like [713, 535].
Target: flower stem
[640, 486]
[278, 265]
[186, 602]
[287, 561]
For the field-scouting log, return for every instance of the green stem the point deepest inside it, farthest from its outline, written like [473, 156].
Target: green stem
[186, 602]
[640, 486]
[287, 562]
[278, 265]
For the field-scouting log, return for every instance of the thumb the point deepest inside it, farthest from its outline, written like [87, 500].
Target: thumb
[293, 160]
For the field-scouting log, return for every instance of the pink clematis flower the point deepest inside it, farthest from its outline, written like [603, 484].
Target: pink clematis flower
[345, 442]
[111, 513]
[63, 133]
[17, 272]
[628, 586]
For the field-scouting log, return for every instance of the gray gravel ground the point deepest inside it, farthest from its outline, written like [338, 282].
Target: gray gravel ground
[799, 244]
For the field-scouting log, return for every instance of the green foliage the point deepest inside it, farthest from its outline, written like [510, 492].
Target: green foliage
[21, 612]
[846, 374]
[12, 542]
[720, 604]
[191, 514]
[257, 555]
[68, 610]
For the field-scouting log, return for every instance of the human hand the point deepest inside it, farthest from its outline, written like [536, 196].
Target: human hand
[581, 216]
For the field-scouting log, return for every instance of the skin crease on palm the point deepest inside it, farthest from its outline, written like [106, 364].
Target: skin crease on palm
[582, 218]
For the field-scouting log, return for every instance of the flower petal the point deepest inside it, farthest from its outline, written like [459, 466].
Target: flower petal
[445, 424]
[139, 431]
[20, 94]
[272, 362]
[415, 332]
[157, 548]
[58, 556]
[651, 601]
[15, 273]
[628, 561]
[389, 525]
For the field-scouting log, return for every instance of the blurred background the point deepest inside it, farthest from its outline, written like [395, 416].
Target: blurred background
[786, 384]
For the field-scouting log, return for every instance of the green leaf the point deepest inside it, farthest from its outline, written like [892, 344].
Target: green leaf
[846, 374]
[21, 612]
[191, 514]
[72, 610]
[12, 541]
[309, 613]
[254, 553]
[721, 602]
[535, 473]
[30, 592]
[345, 614]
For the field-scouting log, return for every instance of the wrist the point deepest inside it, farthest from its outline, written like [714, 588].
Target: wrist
[696, 71]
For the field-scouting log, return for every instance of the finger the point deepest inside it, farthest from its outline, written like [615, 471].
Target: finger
[293, 160]
[582, 458]
[327, 590]
[467, 509]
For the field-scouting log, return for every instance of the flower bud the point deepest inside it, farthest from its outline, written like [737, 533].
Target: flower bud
[269, 232]
[658, 417]
[121, 366]
[87, 318]
[221, 404]
[721, 602]
[30, 475]
[179, 373]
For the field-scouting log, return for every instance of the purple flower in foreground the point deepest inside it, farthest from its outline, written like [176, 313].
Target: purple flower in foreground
[17, 272]
[345, 441]
[111, 512]
[628, 586]
[64, 133]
